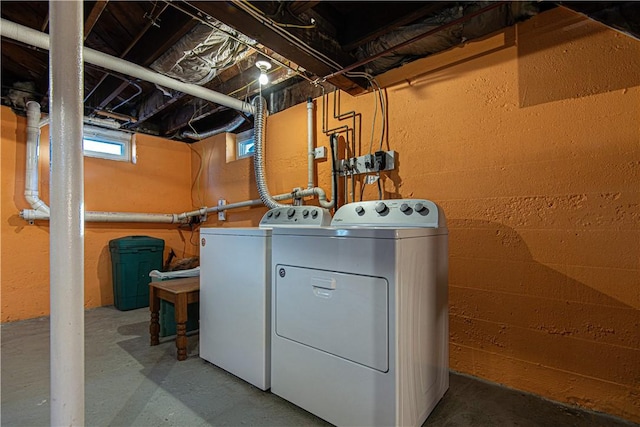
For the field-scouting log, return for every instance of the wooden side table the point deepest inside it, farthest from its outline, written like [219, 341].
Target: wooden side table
[180, 292]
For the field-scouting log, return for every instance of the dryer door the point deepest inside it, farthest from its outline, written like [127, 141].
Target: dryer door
[346, 315]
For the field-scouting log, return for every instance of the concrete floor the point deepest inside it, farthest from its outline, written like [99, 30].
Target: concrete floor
[129, 383]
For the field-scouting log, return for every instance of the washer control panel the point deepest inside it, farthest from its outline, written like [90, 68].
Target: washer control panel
[390, 213]
[308, 216]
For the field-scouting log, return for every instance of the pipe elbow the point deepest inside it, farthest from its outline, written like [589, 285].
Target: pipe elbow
[36, 203]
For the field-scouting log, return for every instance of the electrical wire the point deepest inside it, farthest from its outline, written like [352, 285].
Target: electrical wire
[279, 24]
[236, 38]
[247, 7]
[379, 97]
[196, 180]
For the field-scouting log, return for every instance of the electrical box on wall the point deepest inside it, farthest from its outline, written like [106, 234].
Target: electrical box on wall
[320, 153]
[369, 163]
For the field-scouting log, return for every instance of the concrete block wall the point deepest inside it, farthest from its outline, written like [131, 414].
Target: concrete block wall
[530, 140]
[158, 182]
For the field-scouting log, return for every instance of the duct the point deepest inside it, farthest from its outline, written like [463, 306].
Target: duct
[258, 160]
[32, 37]
[199, 55]
[457, 27]
[229, 127]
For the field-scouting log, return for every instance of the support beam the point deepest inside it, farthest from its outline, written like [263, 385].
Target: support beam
[67, 214]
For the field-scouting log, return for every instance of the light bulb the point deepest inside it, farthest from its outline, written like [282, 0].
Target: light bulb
[263, 79]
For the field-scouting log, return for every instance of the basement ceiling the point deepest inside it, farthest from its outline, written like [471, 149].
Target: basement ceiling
[312, 45]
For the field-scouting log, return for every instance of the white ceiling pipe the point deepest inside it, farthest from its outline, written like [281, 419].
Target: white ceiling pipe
[31, 182]
[67, 214]
[35, 38]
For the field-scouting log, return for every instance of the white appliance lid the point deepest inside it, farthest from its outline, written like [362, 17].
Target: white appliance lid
[229, 231]
[361, 232]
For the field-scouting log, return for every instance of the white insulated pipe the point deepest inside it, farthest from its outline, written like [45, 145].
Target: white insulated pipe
[31, 192]
[310, 144]
[67, 210]
[35, 38]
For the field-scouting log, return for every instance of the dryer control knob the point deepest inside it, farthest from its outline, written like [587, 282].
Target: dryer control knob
[381, 207]
[305, 213]
[314, 214]
[419, 207]
[359, 210]
[291, 212]
[277, 214]
[404, 207]
[269, 214]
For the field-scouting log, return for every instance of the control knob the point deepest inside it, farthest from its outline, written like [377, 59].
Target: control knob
[359, 210]
[269, 214]
[277, 214]
[291, 212]
[404, 208]
[314, 214]
[420, 207]
[381, 207]
[305, 213]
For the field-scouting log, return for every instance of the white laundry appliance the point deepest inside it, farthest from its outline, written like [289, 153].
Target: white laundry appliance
[235, 292]
[360, 314]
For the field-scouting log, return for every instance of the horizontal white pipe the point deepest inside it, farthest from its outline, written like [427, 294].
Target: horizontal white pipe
[90, 216]
[35, 38]
[130, 217]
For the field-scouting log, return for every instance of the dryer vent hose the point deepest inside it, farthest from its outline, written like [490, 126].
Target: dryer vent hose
[260, 119]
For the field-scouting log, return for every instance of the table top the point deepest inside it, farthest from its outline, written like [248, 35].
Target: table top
[177, 286]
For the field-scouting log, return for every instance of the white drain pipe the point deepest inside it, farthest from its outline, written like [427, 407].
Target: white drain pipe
[32, 37]
[67, 222]
[31, 192]
[310, 143]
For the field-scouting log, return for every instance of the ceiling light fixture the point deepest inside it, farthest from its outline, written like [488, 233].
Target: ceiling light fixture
[263, 66]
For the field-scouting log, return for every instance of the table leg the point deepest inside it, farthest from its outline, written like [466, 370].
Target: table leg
[181, 325]
[154, 308]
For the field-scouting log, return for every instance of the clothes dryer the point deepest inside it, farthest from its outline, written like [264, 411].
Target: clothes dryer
[360, 314]
[235, 292]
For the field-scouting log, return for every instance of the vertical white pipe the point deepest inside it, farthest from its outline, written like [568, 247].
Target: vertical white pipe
[31, 192]
[67, 214]
[310, 144]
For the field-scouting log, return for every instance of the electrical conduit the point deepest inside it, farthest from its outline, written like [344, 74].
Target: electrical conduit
[258, 159]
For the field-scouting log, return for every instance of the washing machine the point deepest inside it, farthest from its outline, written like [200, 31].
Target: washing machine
[359, 333]
[235, 292]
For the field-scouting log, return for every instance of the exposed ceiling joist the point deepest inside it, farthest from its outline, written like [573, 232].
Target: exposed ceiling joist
[94, 15]
[319, 61]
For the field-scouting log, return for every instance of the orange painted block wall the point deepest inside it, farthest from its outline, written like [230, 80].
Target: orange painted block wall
[530, 140]
[159, 182]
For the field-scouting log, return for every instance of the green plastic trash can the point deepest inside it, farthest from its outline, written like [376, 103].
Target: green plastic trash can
[132, 258]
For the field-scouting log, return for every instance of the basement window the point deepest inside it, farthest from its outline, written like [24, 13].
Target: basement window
[245, 144]
[106, 144]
